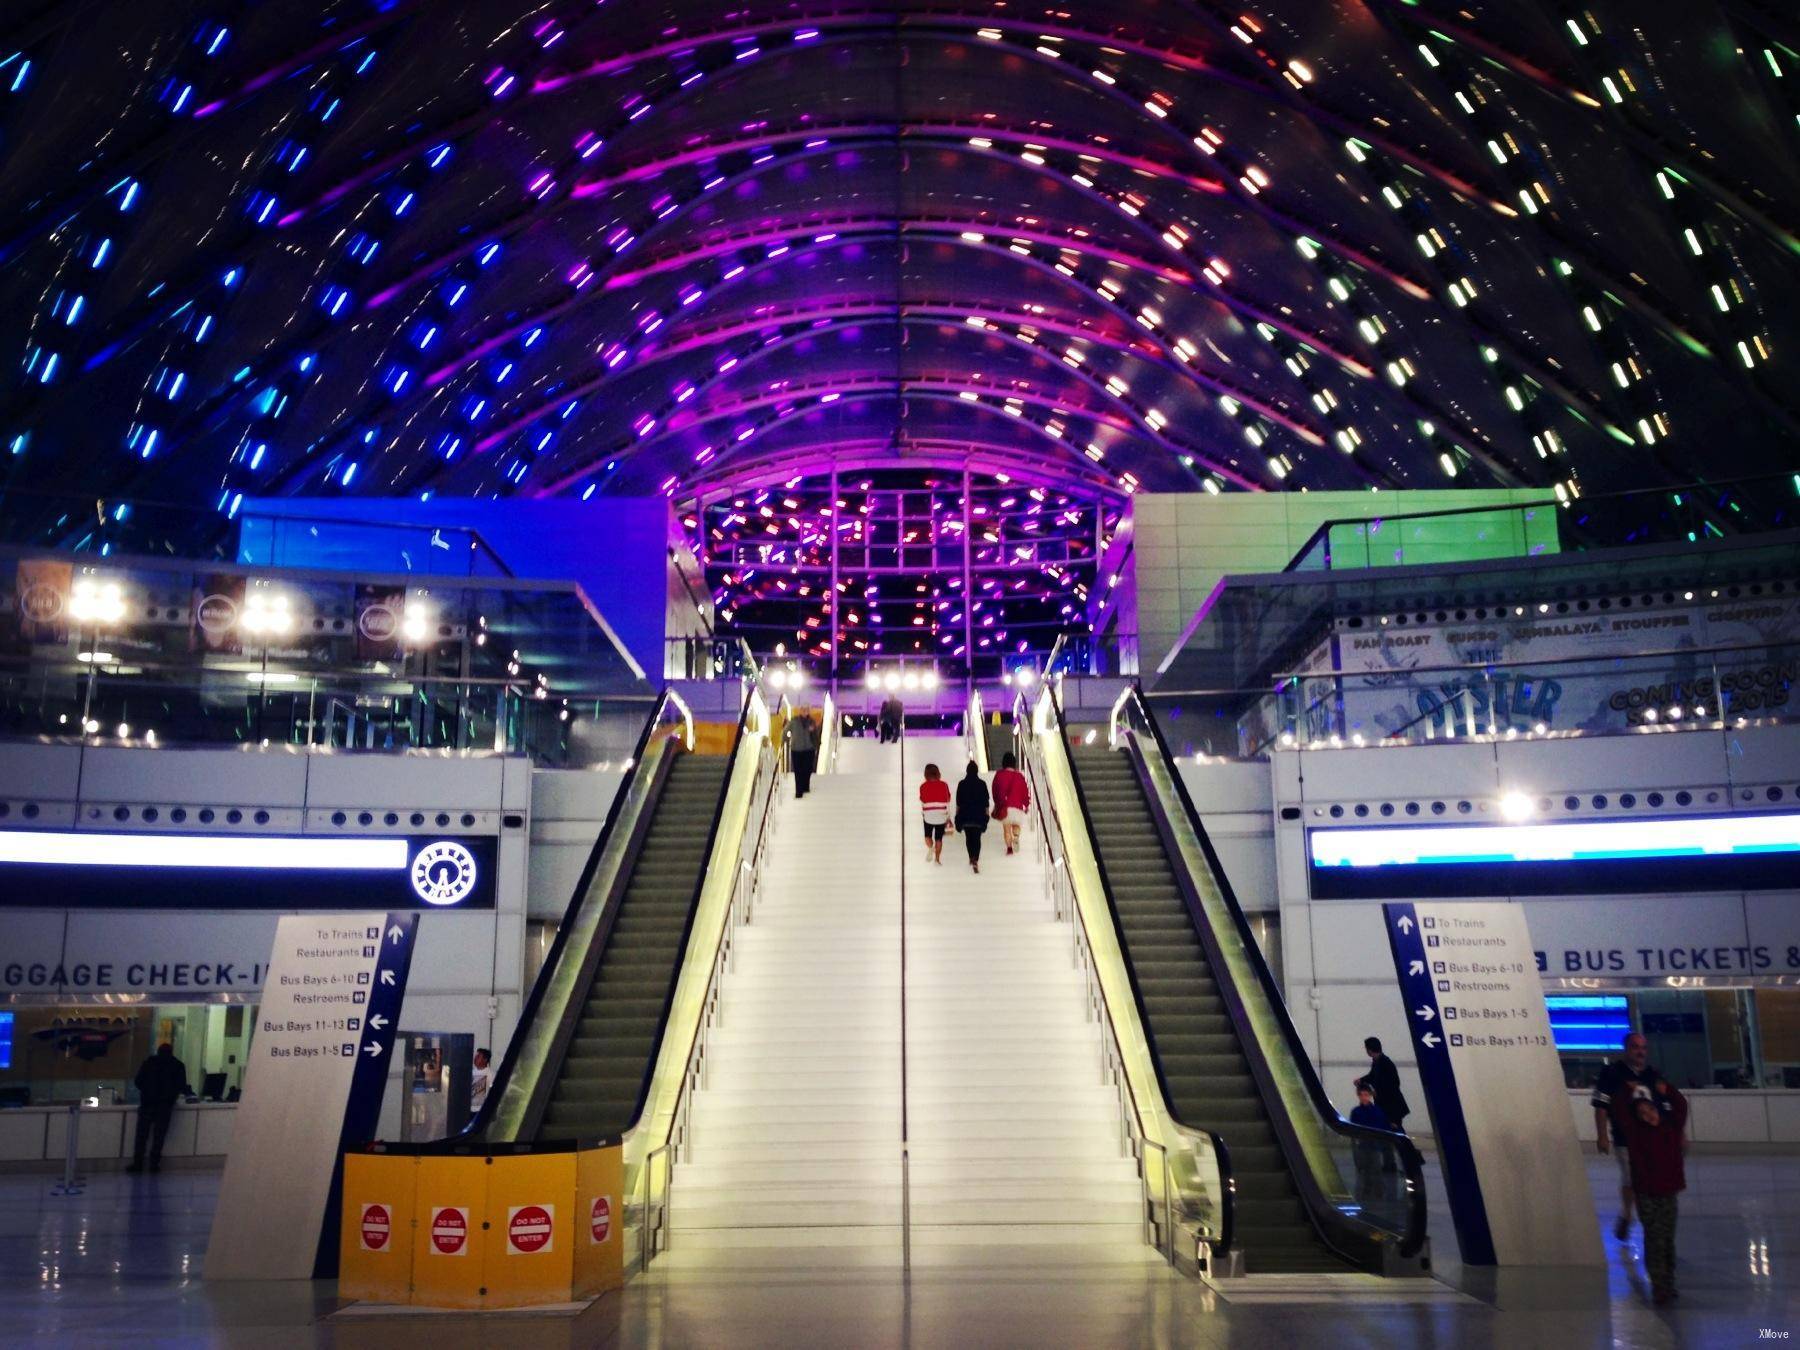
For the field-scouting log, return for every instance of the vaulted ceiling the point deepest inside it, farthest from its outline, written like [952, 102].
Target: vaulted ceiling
[638, 246]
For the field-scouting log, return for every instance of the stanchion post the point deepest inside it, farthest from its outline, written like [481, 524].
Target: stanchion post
[71, 1184]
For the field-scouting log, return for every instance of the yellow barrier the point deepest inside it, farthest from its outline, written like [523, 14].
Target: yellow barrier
[461, 1231]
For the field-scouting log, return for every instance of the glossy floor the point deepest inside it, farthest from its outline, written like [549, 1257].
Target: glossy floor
[120, 1264]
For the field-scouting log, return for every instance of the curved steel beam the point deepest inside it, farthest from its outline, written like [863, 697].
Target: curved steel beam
[944, 390]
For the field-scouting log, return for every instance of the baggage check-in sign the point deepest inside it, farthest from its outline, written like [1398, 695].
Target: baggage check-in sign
[1481, 1036]
[312, 1087]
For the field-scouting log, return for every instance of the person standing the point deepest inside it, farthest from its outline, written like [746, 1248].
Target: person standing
[1371, 1154]
[972, 813]
[161, 1082]
[934, 806]
[1630, 1070]
[479, 1080]
[1652, 1118]
[1012, 798]
[1383, 1080]
[893, 718]
[802, 735]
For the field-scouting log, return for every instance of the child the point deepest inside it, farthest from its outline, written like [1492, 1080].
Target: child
[934, 804]
[1371, 1155]
[1653, 1120]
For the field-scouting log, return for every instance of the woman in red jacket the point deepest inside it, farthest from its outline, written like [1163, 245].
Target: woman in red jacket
[1012, 798]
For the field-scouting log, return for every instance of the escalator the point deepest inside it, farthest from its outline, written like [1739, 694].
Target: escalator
[581, 1063]
[1201, 1061]
[1307, 1190]
[602, 1075]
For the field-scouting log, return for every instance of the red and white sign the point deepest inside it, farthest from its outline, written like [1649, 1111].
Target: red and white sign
[529, 1228]
[449, 1230]
[376, 1228]
[600, 1219]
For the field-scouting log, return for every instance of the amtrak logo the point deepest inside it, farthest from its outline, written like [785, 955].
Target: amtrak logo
[443, 873]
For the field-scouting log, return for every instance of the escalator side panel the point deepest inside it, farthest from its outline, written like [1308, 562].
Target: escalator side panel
[616, 1025]
[1199, 1055]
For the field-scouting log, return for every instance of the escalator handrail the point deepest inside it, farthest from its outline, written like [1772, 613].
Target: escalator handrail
[1404, 1148]
[1221, 1150]
[740, 739]
[471, 1135]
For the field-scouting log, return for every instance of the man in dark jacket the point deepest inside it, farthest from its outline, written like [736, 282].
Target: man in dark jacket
[161, 1081]
[1383, 1079]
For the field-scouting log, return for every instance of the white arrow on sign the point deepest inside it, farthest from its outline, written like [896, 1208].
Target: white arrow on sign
[1405, 925]
[1426, 1013]
[387, 977]
[1431, 1039]
[1416, 968]
[378, 1021]
[396, 933]
[371, 1048]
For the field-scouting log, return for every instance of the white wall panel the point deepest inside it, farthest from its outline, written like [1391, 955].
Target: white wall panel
[42, 772]
[401, 781]
[274, 777]
[1764, 754]
[1401, 772]
[1679, 759]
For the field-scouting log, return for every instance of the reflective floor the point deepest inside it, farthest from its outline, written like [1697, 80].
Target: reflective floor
[119, 1264]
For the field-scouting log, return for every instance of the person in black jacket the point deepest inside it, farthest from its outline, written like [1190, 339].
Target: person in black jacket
[972, 812]
[1383, 1079]
[161, 1082]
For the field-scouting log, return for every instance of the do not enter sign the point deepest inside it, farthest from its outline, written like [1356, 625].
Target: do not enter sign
[529, 1228]
[449, 1231]
[376, 1227]
[600, 1219]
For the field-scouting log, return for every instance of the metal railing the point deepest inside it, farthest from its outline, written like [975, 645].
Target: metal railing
[1688, 513]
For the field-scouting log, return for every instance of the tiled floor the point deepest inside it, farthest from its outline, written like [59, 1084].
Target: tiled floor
[119, 1265]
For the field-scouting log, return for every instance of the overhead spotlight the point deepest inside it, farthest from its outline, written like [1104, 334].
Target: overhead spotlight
[124, 731]
[416, 623]
[796, 679]
[1006, 678]
[1026, 676]
[910, 680]
[96, 658]
[94, 601]
[778, 679]
[1516, 806]
[891, 680]
[1287, 738]
[872, 680]
[929, 679]
[267, 611]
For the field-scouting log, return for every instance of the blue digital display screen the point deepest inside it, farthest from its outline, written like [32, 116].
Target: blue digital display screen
[6, 1033]
[1588, 1022]
[1567, 857]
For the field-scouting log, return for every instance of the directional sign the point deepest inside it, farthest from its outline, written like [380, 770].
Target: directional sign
[1481, 1037]
[312, 1087]
[600, 1219]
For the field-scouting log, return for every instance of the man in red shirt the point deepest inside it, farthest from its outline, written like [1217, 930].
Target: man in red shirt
[1653, 1119]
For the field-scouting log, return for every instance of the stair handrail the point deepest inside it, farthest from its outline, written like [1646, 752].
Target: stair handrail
[631, 803]
[657, 1135]
[1333, 1222]
[973, 732]
[1209, 1212]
